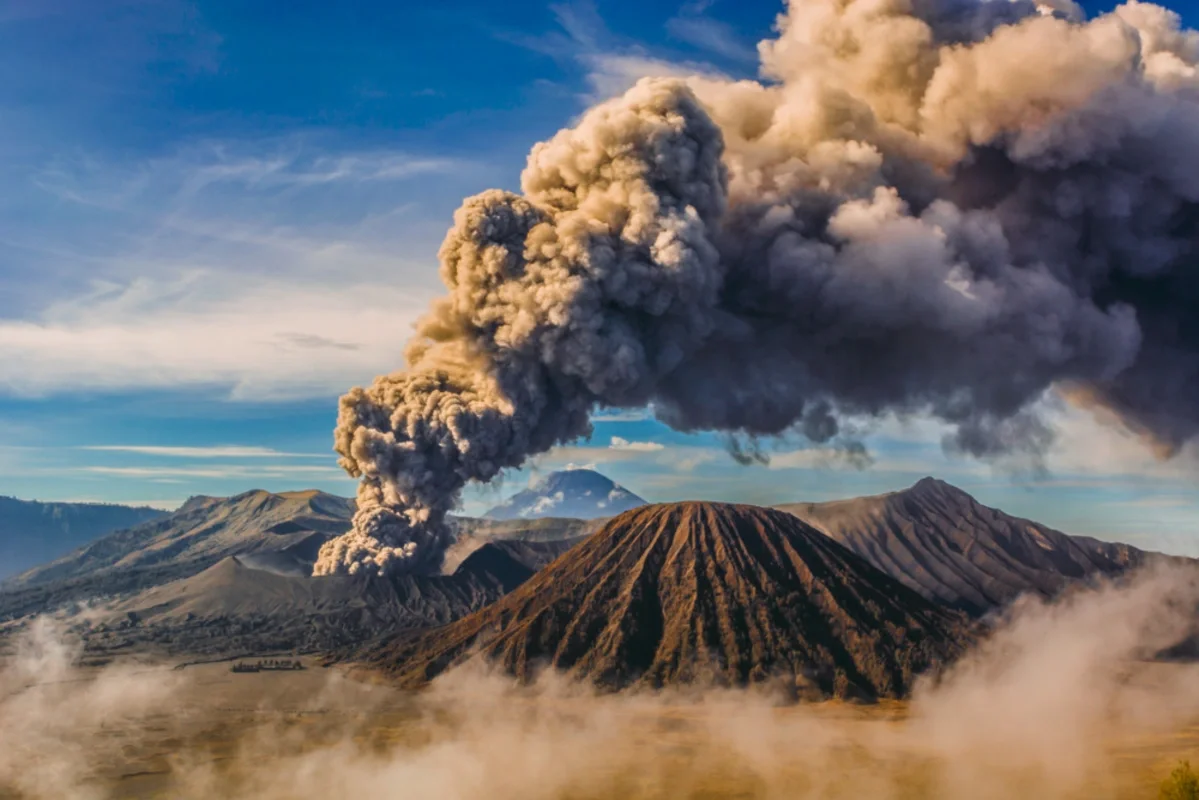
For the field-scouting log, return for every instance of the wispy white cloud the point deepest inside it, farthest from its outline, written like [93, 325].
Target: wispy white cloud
[691, 458]
[566, 455]
[832, 458]
[249, 338]
[223, 471]
[624, 415]
[581, 21]
[613, 63]
[292, 169]
[568, 467]
[1087, 449]
[225, 451]
[668, 458]
[1086, 446]
[1090, 445]
[262, 270]
[694, 26]
[168, 504]
[259, 167]
[620, 443]
[294, 205]
[611, 73]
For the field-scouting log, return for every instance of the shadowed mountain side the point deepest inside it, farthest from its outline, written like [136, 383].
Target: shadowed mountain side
[279, 533]
[473, 532]
[205, 530]
[32, 532]
[699, 592]
[943, 543]
[233, 609]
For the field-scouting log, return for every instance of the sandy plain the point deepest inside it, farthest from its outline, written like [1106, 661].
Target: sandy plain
[144, 730]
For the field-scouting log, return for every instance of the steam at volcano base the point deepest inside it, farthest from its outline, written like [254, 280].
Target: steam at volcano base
[932, 207]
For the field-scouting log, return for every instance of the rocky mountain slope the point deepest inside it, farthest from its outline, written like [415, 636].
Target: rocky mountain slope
[226, 573]
[232, 609]
[575, 493]
[275, 532]
[686, 592]
[940, 541]
[233, 574]
[33, 533]
[206, 529]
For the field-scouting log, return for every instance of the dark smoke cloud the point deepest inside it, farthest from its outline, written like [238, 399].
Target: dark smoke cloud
[945, 208]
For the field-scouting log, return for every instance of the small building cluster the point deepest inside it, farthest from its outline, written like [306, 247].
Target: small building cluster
[267, 665]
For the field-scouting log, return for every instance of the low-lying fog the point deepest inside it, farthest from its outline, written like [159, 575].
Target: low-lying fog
[1058, 703]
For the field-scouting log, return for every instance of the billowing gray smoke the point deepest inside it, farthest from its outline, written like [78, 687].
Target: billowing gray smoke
[933, 206]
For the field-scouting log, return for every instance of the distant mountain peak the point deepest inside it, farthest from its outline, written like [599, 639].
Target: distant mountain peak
[930, 487]
[313, 498]
[574, 493]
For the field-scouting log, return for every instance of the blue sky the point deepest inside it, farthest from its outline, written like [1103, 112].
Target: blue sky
[217, 216]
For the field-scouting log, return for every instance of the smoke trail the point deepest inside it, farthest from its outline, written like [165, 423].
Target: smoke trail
[933, 207]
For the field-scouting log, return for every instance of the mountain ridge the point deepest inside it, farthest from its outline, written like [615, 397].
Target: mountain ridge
[274, 534]
[673, 593]
[932, 537]
[204, 527]
[33, 531]
[233, 608]
[939, 540]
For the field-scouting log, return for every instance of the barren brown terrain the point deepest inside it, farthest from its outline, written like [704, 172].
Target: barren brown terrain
[940, 541]
[702, 593]
[319, 734]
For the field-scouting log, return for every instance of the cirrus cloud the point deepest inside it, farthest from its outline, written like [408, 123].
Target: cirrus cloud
[246, 338]
[620, 443]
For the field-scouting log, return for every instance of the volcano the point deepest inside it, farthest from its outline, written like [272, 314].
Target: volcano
[693, 592]
[572, 493]
[940, 541]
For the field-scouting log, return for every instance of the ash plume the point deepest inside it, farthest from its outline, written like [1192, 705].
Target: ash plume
[936, 207]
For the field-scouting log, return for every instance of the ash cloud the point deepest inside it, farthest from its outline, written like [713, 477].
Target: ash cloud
[936, 207]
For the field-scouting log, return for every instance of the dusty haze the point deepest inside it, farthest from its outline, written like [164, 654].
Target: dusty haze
[1043, 710]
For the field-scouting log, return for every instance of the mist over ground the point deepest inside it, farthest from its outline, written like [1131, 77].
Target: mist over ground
[1058, 702]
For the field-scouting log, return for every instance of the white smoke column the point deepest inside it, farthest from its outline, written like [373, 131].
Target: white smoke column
[938, 206]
